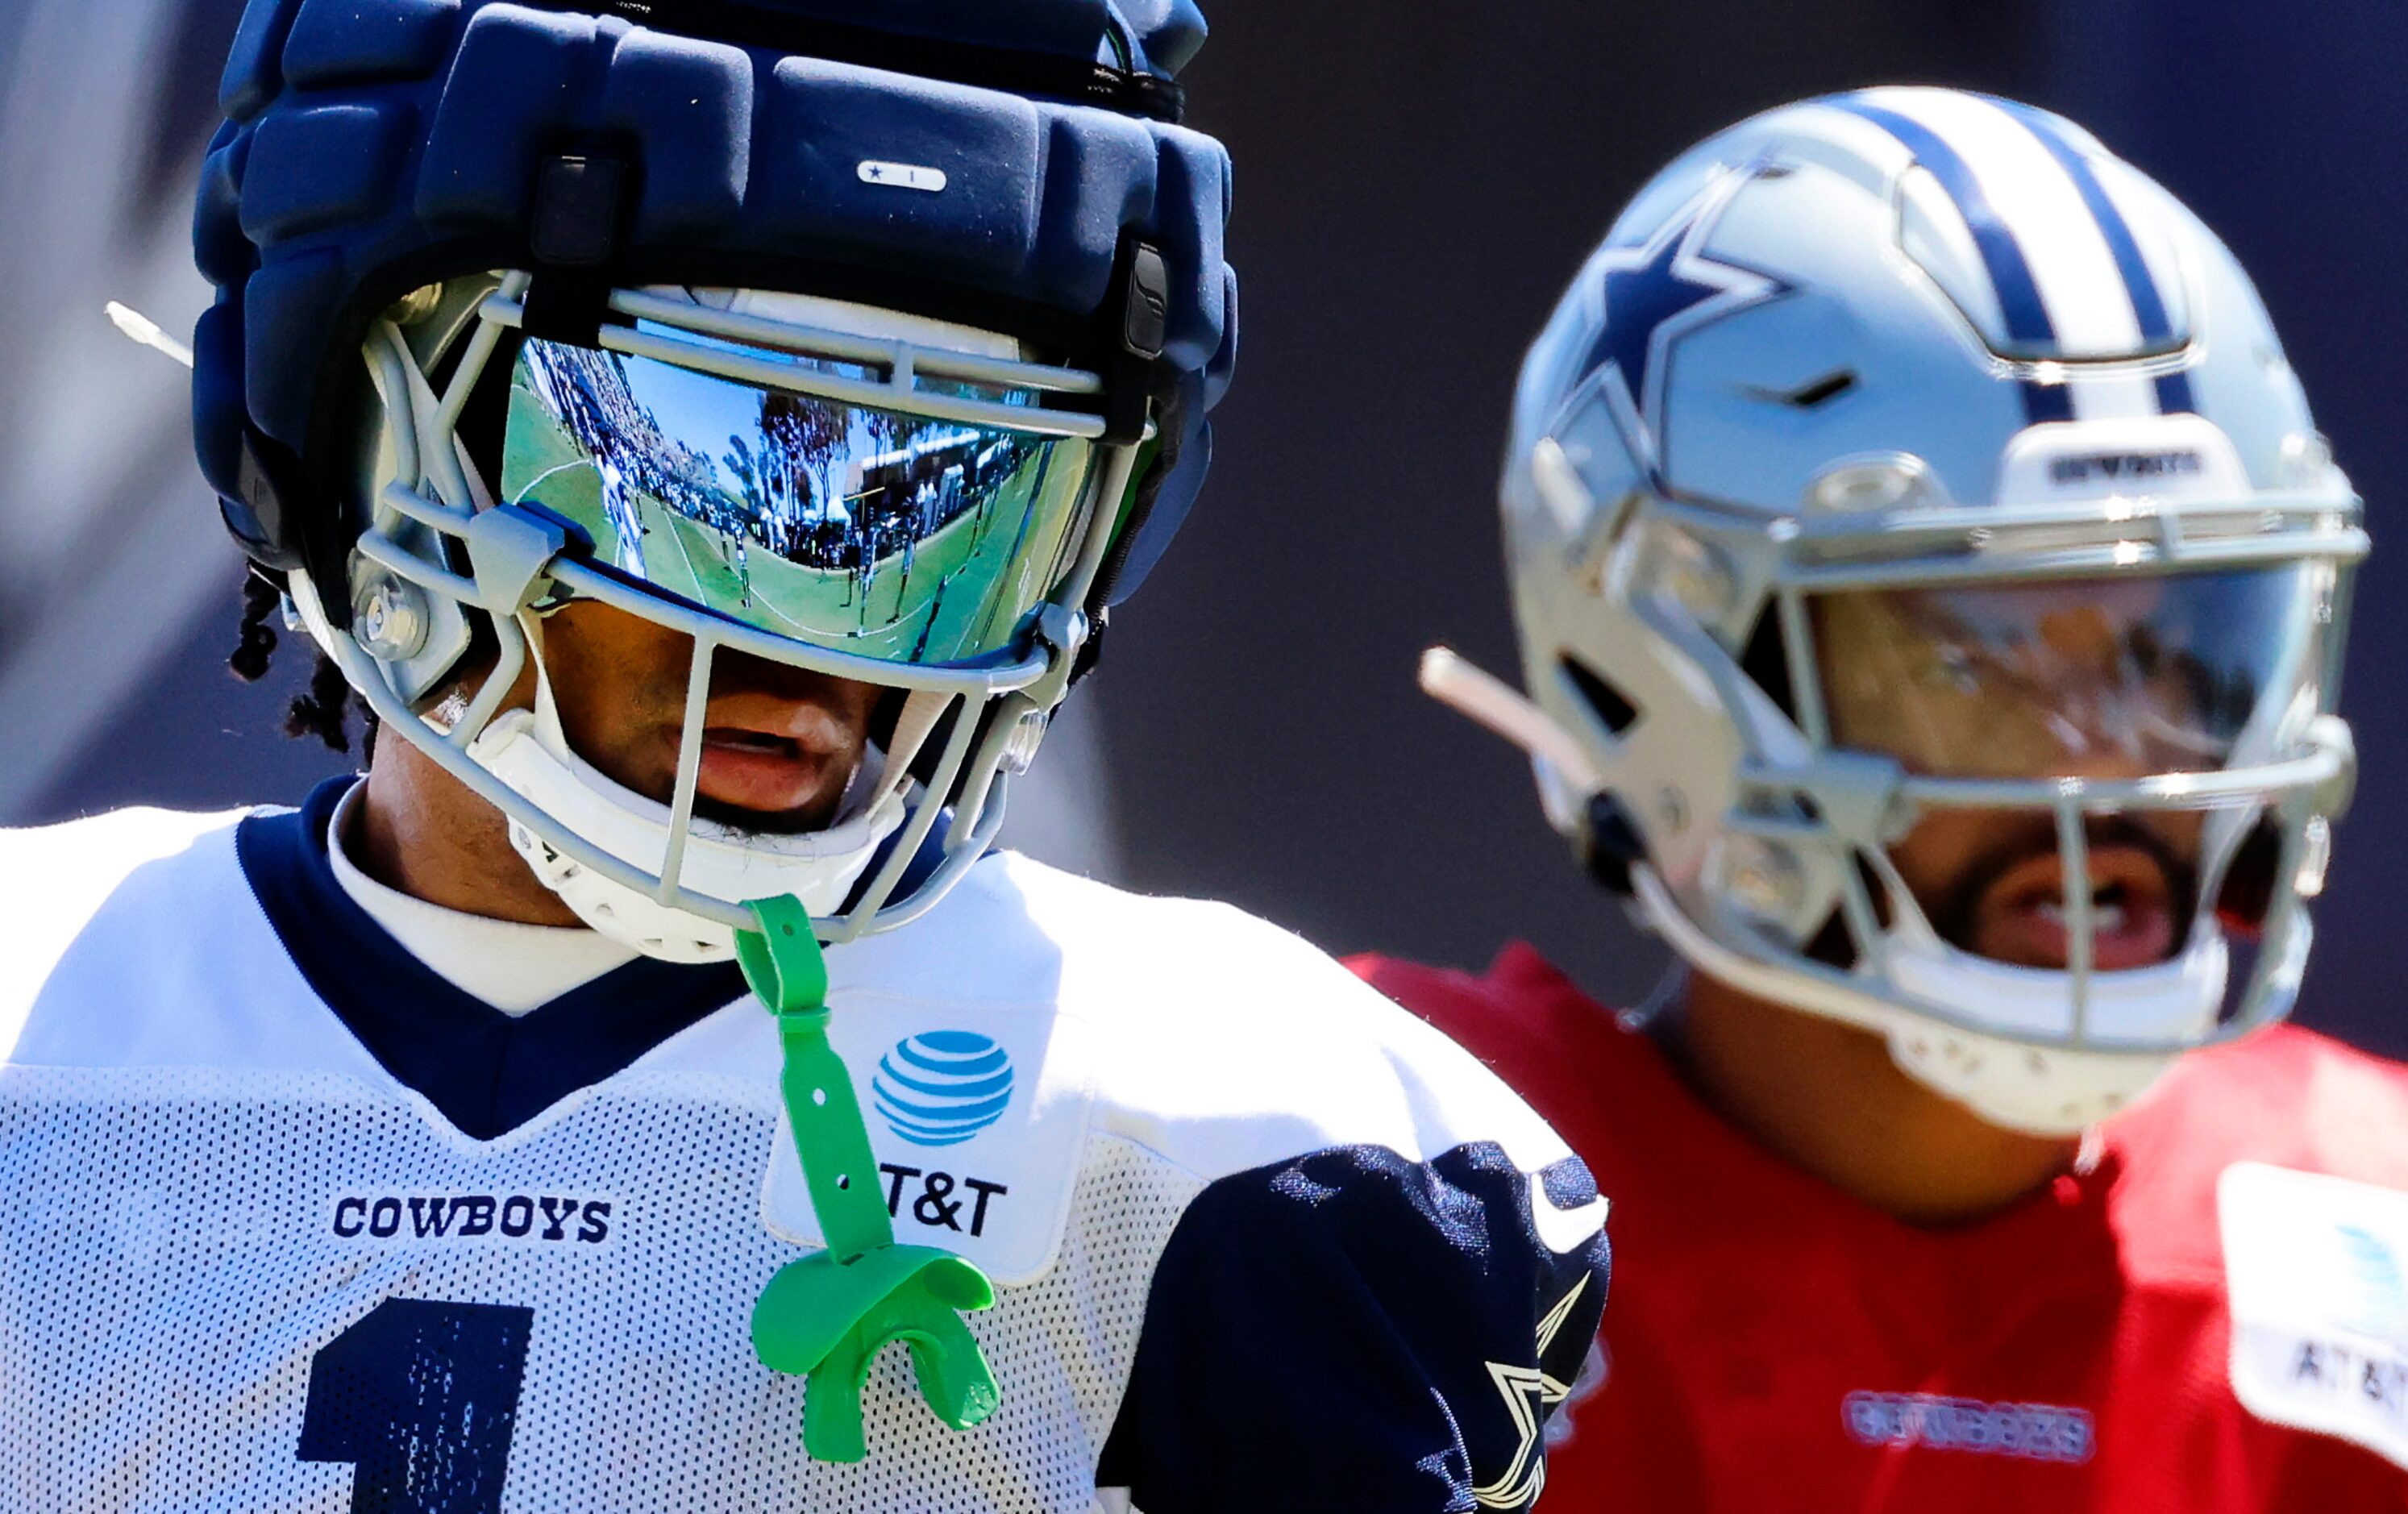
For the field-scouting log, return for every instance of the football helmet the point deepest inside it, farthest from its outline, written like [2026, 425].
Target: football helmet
[874, 349]
[1903, 455]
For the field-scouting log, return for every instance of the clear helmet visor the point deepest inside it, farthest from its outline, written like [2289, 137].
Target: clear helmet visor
[866, 531]
[2098, 679]
[2106, 681]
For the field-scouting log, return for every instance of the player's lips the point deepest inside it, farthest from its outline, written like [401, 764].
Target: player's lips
[2022, 918]
[767, 754]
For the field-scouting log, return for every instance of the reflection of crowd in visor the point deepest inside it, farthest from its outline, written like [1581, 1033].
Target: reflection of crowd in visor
[587, 392]
[803, 487]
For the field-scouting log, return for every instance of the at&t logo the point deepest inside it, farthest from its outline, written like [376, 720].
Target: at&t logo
[941, 1088]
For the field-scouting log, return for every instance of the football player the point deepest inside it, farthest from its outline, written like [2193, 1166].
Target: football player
[1931, 590]
[706, 436]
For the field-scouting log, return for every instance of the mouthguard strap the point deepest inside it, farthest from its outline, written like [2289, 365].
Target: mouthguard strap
[827, 1316]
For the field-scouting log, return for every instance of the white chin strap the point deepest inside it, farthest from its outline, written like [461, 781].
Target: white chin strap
[2044, 1090]
[2011, 1083]
[817, 867]
[2040, 1090]
[527, 751]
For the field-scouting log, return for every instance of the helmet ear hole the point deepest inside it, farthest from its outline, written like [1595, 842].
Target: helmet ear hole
[1613, 708]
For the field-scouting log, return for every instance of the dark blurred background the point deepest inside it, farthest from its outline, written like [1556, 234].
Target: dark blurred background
[1416, 181]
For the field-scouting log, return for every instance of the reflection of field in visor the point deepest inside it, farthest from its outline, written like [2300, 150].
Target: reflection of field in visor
[957, 593]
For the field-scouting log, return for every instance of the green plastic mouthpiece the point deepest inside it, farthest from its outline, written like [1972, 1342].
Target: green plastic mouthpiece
[827, 1316]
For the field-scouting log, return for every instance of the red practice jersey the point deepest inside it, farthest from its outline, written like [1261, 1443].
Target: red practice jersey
[2213, 1317]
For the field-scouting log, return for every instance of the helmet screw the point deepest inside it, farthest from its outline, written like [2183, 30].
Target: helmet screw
[390, 619]
[416, 305]
[1020, 748]
[1762, 880]
[1672, 809]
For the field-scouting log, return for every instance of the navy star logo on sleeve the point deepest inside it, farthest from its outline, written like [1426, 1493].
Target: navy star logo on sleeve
[1656, 292]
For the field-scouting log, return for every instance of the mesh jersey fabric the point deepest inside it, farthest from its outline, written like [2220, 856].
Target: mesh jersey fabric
[244, 1266]
[180, 1273]
[1776, 1344]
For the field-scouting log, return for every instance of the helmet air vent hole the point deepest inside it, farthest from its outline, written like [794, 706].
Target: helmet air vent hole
[1817, 392]
[1617, 712]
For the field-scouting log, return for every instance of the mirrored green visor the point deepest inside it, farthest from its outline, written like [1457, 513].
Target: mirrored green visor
[866, 530]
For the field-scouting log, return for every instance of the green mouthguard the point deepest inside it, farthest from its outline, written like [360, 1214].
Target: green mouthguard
[827, 1316]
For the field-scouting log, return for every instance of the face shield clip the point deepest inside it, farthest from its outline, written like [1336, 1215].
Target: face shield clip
[1141, 297]
[579, 200]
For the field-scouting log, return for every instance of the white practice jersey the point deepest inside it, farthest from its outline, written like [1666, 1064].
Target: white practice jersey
[288, 1221]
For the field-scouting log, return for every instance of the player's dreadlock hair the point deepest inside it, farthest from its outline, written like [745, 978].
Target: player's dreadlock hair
[323, 711]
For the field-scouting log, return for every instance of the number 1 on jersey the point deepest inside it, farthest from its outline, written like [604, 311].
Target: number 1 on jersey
[422, 1399]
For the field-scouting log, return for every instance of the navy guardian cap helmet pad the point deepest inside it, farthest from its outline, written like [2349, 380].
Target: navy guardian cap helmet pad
[365, 157]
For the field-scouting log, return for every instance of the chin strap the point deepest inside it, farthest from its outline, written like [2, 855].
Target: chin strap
[827, 1316]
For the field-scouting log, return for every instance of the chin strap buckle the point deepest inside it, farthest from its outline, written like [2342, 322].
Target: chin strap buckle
[827, 1316]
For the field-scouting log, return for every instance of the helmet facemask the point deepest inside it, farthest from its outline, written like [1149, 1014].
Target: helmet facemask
[847, 492]
[1879, 374]
[1782, 717]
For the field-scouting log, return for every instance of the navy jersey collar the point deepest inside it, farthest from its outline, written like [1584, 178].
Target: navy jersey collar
[486, 1072]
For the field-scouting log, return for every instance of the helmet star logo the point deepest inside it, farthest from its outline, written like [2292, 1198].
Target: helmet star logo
[1654, 293]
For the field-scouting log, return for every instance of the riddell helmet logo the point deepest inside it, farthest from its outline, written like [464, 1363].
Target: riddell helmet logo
[941, 1088]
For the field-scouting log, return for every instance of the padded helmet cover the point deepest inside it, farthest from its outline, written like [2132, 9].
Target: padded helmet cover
[371, 147]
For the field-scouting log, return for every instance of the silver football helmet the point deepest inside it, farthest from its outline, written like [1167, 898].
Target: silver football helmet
[1903, 455]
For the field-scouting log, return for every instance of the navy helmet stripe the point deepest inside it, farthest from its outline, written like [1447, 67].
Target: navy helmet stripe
[2046, 402]
[2011, 275]
[2148, 305]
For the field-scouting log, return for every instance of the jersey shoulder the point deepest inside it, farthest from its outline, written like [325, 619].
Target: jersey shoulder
[2287, 1104]
[90, 893]
[1514, 1017]
[2286, 1096]
[1570, 1056]
[1228, 1043]
[1110, 1030]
